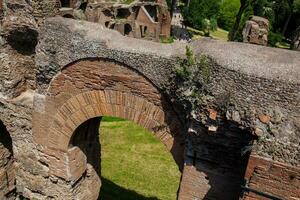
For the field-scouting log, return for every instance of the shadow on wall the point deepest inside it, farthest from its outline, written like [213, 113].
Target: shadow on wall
[217, 163]
[117, 192]
[5, 138]
[86, 137]
[7, 175]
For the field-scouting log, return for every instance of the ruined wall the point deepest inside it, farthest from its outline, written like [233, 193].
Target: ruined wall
[44, 9]
[279, 180]
[7, 176]
[19, 33]
[256, 31]
[238, 94]
[221, 129]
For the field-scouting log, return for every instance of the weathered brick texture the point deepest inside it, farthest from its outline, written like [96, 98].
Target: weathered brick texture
[93, 88]
[277, 179]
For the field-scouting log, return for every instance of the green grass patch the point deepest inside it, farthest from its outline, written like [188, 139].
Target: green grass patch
[283, 45]
[112, 119]
[135, 165]
[220, 34]
[167, 40]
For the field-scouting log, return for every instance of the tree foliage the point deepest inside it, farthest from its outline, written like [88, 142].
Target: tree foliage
[227, 13]
[197, 11]
[231, 15]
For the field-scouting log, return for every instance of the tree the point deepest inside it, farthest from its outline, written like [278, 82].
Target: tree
[243, 6]
[209, 25]
[227, 13]
[291, 9]
[198, 10]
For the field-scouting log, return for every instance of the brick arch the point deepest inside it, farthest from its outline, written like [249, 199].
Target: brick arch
[87, 105]
[92, 88]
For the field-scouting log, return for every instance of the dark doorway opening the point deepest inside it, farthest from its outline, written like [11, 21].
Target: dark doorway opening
[127, 29]
[143, 31]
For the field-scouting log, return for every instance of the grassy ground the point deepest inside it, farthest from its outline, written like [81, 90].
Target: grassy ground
[135, 165]
[219, 34]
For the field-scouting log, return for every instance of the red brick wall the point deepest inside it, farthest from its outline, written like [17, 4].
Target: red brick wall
[193, 184]
[273, 178]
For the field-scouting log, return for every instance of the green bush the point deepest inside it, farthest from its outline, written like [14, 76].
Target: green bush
[274, 38]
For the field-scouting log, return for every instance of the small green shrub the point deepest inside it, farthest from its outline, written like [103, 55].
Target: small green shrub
[183, 70]
[189, 56]
[205, 68]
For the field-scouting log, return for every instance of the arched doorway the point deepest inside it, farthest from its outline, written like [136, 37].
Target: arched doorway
[93, 88]
[133, 164]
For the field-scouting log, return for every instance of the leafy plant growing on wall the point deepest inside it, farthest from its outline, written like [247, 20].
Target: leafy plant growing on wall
[190, 81]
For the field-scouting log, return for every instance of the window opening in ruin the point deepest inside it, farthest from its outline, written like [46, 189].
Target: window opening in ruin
[107, 24]
[83, 6]
[123, 13]
[112, 26]
[107, 13]
[143, 31]
[127, 29]
[131, 161]
[152, 11]
[65, 3]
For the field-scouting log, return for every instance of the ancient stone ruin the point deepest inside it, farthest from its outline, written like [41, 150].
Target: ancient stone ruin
[140, 19]
[228, 113]
[256, 31]
[296, 40]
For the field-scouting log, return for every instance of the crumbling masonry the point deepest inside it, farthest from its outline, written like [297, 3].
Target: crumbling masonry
[139, 19]
[231, 121]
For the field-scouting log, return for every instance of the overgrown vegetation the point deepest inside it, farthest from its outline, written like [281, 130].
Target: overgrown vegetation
[191, 80]
[135, 165]
[231, 15]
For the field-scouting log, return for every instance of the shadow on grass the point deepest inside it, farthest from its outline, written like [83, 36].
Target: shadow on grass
[111, 191]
